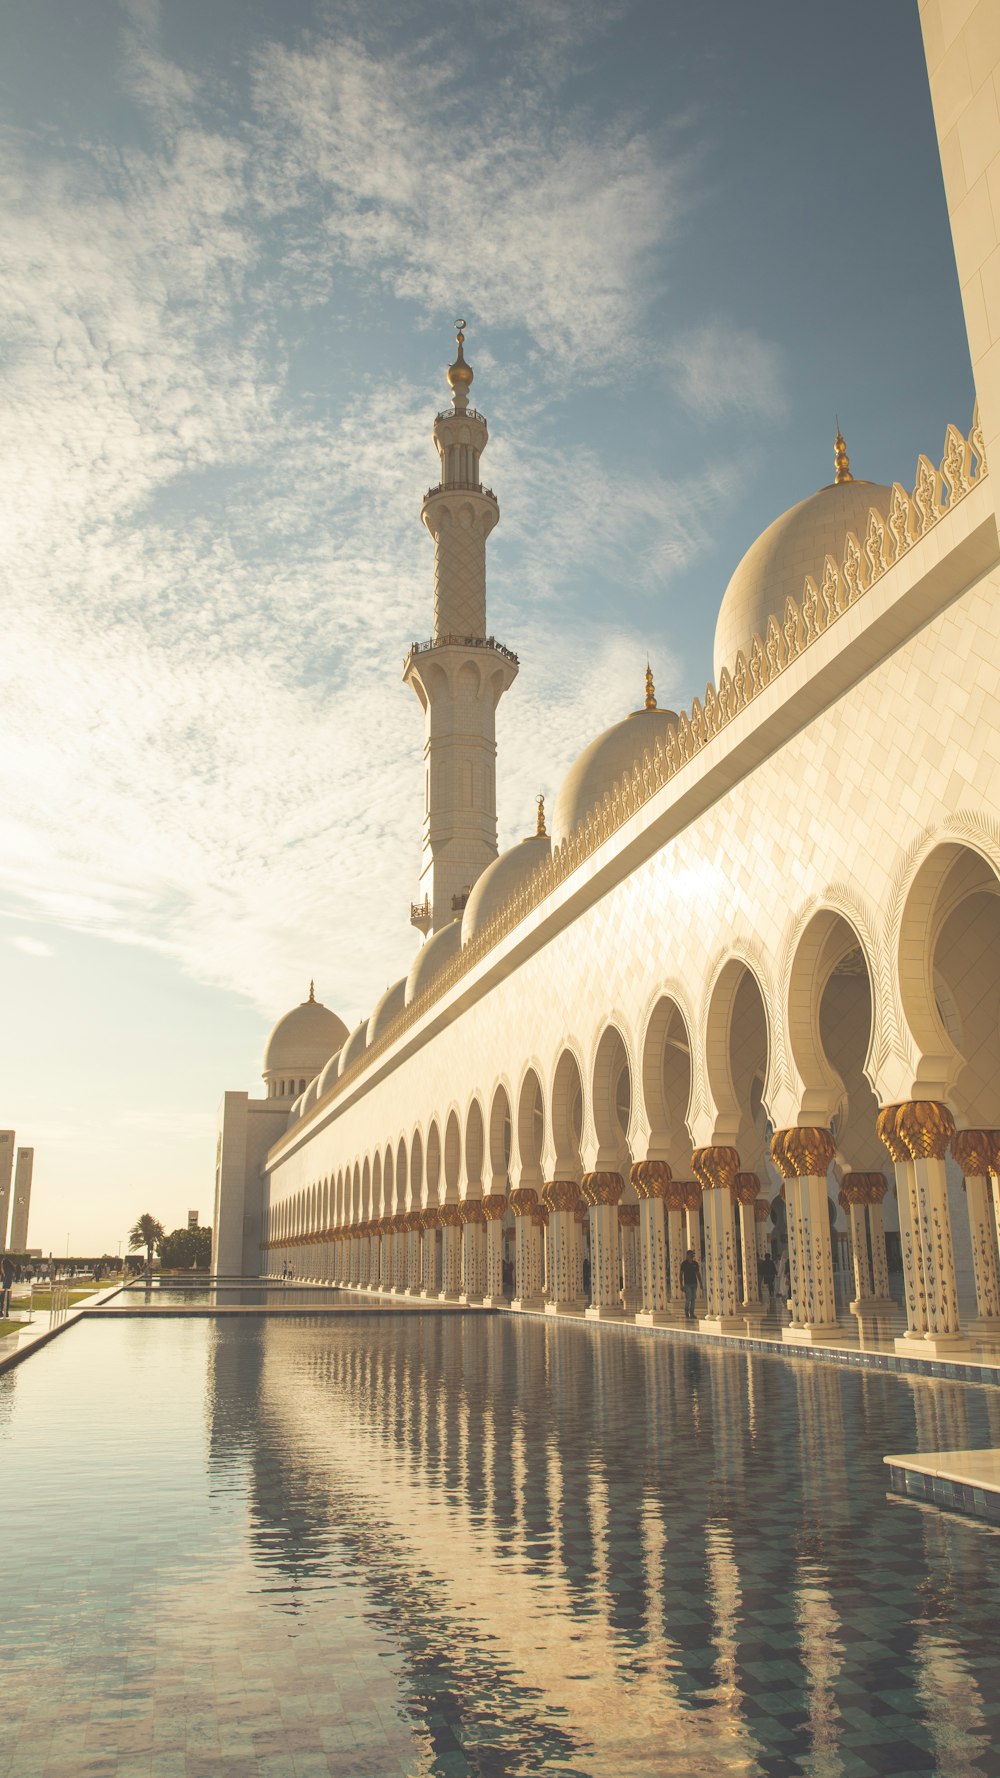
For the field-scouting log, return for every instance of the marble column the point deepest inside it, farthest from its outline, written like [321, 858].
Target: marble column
[628, 1235]
[762, 1222]
[414, 1252]
[602, 1192]
[853, 1197]
[926, 1127]
[527, 1250]
[494, 1209]
[716, 1169]
[976, 1152]
[652, 1179]
[674, 1201]
[430, 1283]
[450, 1218]
[878, 1185]
[914, 1283]
[564, 1261]
[747, 1192]
[473, 1251]
[803, 1155]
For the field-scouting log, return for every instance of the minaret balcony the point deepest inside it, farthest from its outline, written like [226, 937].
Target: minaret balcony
[422, 915]
[463, 488]
[435, 642]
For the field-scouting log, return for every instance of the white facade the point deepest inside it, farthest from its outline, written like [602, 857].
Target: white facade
[759, 960]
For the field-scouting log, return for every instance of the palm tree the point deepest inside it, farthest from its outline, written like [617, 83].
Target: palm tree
[147, 1233]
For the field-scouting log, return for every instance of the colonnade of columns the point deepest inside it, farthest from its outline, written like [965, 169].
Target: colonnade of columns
[632, 1263]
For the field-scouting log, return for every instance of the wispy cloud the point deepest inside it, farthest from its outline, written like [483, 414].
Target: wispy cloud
[720, 369]
[32, 947]
[212, 578]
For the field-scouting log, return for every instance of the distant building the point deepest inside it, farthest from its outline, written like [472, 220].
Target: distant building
[750, 975]
[192, 1219]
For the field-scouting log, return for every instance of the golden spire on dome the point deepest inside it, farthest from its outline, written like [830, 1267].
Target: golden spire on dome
[650, 703]
[460, 373]
[312, 994]
[842, 461]
[540, 830]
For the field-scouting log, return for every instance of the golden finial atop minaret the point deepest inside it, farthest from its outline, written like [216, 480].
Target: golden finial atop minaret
[650, 703]
[841, 460]
[312, 994]
[460, 373]
[540, 830]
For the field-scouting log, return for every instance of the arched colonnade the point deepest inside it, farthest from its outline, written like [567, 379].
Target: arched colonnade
[863, 1061]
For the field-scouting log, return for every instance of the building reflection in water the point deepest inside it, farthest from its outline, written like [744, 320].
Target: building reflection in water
[626, 1555]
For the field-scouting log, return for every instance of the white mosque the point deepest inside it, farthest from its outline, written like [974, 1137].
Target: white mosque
[744, 990]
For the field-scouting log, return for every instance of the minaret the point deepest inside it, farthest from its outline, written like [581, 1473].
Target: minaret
[462, 673]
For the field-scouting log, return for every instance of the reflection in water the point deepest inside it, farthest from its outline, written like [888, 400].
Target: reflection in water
[438, 1546]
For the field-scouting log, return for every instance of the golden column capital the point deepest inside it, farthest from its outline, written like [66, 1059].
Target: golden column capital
[562, 1194]
[803, 1152]
[888, 1135]
[471, 1210]
[878, 1185]
[450, 1216]
[975, 1151]
[602, 1188]
[674, 1194]
[524, 1201]
[747, 1188]
[854, 1189]
[494, 1206]
[926, 1127]
[716, 1168]
[628, 1216]
[692, 1194]
[761, 1209]
[651, 1178]
[414, 1222]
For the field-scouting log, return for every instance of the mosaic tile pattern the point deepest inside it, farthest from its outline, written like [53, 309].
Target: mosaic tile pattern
[481, 1546]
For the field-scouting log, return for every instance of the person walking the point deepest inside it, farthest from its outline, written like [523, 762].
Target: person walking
[691, 1281]
[767, 1272]
[7, 1275]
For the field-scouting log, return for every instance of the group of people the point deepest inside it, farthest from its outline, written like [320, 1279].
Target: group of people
[772, 1280]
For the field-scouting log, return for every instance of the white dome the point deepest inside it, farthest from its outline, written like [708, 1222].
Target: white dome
[431, 958]
[500, 880]
[775, 567]
[328, 1075]
[385, 1010]
[303, 1040]
[604, 763]
[355, 1046]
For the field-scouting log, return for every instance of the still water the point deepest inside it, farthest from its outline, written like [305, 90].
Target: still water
[473, 1545]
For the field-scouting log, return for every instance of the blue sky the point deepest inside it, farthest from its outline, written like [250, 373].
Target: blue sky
[684, 238]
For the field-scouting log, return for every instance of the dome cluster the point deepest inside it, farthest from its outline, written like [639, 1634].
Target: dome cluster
[310, 1049]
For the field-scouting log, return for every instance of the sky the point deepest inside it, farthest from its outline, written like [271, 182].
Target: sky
[237, 235]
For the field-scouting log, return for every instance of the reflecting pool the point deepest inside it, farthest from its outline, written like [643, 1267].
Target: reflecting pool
[441, 1545]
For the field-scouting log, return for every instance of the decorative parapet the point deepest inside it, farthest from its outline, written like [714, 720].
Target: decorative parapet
[887, 539]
